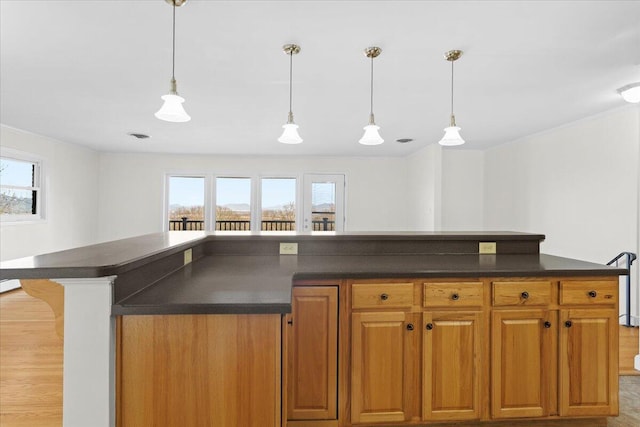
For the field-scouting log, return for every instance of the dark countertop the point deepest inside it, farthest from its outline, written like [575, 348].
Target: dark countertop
[120, 256]
[102, 259]
[262, 284]
[243, 272]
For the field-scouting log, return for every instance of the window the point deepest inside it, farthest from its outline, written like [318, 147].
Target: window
[278, 204]
[186, 202]
[21, 195]
[255, 203]
[233, 204]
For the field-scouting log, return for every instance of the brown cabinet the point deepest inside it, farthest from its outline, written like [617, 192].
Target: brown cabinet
[588, 382]
[588, 362]
[452, 348]
[383, 351]
[311, 355]
[199, 370]
[523, 363]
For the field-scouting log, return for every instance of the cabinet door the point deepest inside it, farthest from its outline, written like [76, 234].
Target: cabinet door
[312, 354]
[199, 370]
[451, 365]
[589, 362]
[383, 349]
[523, 363]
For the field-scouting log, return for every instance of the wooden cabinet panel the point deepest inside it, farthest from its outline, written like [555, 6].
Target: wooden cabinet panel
[588, 362]
[200, 370]
[523, 363]
[452, 349]
[591, 292]
[453, 294]
[381, 295]
[521, 293]
[382, 354]
[312, 354]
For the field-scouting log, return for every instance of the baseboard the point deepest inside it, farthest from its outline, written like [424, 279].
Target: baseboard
[635, 320]
[9, 285]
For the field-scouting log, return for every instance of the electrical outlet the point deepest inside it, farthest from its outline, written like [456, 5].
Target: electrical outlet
[188, 256]
[288, 249]
[487, 248]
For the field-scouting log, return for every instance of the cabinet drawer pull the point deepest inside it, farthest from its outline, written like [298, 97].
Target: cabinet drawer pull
[568, 323]
[593, 294]
[525, 295]
[547, 324]
[410, 327]
[429, 326]
[290, 322]
[455, 297]
[384, 297]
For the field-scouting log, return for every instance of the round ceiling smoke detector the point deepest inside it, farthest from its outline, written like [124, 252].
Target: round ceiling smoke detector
[404, 140]
[139, 135]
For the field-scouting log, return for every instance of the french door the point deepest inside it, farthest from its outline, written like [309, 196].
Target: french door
[323, 204]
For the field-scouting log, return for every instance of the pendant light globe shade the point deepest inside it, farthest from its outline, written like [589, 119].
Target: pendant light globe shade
[371, 136]
[451, 137]
[172, 110]
[290, 134]
[631, 93]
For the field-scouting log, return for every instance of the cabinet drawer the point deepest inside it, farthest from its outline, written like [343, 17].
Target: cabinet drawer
[453, 294]
[521, 293]
[592, 292]
[382, 295]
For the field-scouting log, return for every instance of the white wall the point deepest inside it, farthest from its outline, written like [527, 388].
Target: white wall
[445, 189]
[71, 181]
[424, 186]
[577, 184]
[462, 207]
[132, 187]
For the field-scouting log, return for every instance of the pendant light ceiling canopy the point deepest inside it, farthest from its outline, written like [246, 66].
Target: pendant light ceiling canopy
[290, 133]
[371, 135]
[452, 133]
[172, 109]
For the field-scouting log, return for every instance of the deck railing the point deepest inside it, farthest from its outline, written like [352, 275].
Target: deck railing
[244, 225]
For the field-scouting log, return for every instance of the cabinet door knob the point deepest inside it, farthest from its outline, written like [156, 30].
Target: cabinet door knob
[429, 326]
[593, 294]
[525, 295]
[384, 297]
[290, 322]
[455, 297]
[568, 323]
[410, 327]
[547, 324]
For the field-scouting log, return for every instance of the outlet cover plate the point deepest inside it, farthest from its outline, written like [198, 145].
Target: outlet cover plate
[188, 256]
[288, 248]
[487, 247]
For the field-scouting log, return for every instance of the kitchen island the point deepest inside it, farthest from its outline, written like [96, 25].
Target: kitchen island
[193, 328]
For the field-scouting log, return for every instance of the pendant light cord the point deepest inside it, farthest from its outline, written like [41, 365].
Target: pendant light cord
[290, 81]
[371, 112]
[173, 62]
[452, 87]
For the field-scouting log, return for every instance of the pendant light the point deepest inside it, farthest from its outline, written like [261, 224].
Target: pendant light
[630, 92]
[371, 135]
[290, 133]
[172, 109]
[452, 133]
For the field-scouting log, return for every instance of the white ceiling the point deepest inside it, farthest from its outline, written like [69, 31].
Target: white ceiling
[90, 72]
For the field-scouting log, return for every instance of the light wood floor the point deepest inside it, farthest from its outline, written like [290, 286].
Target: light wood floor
[31, 366]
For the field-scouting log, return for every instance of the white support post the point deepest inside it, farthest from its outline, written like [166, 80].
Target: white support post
[89, 353]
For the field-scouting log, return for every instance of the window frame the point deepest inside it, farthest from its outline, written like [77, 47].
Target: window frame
[207, 196]
[252, 200]
[297, 200]
[40, 189]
